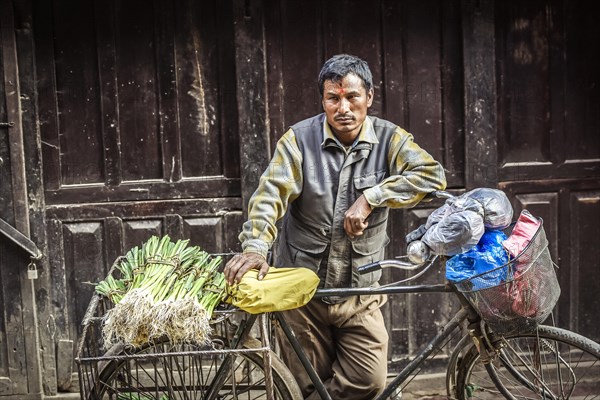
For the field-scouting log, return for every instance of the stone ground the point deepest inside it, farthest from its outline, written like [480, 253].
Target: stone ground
[423, 387]
[426, 387]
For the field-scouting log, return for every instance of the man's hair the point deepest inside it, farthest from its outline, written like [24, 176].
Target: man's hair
[338, 66]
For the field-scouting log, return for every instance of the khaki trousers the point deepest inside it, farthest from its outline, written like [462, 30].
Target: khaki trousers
[346, 343]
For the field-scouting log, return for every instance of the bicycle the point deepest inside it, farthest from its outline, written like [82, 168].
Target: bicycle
[503, 353]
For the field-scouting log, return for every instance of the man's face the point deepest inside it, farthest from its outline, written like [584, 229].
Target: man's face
[345, 103]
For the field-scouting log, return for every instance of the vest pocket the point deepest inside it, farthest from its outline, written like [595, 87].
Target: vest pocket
[310, 259]
[370, 246]
[301, 247]
[369, 180]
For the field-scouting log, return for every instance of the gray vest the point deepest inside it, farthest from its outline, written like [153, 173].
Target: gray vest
[312, 234]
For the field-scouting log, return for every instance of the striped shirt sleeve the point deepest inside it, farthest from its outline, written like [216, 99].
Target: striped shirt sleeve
[279, 185]
[413, 174]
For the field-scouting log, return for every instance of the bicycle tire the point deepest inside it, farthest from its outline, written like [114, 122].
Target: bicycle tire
[188, 376]
[550, 363]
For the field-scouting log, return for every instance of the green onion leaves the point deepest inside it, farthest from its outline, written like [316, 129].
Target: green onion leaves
[164, 288]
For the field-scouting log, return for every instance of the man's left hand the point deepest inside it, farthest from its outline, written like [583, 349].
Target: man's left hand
[355, 219]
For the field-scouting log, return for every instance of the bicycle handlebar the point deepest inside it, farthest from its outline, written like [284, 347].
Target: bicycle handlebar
[377, 265]
[439, 194]
[371, 267]
[405, 265]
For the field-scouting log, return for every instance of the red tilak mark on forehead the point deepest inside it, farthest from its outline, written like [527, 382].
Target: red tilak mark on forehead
[341, 91]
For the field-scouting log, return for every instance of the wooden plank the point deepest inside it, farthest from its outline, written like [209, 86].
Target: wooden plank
[174, 226]
[562, 71]
[21, 313]
[166, 89]
[556, 83]
[13, 114]
[104, 20]
[453, 158]
[422, 35]
[584, 209]
[12, 378]
[233, 221]
[230, 153]
[199, 207]
[198, 82]
[64, 359]
[523, 98]
[208, 187]
[136, 71]
[35, 192]
[47, 97]
[113, 240]
[205, 232]
[138, 231]
[333, 15]
[581, 80]
[535, 171]
[85, 263]
[301, 45]
[277, 88]
[59, 301]
[78, 95]
[253, 123]
[394, 76]
[6, 205]
[480, 93]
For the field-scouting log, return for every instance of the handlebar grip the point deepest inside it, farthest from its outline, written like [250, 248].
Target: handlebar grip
[372, 267]
[440, 194]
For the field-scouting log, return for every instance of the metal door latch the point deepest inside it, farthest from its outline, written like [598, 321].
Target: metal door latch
[6, 124]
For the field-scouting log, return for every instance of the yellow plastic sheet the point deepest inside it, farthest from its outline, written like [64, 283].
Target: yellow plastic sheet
[281, 289]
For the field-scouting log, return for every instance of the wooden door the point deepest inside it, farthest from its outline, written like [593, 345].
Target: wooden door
[503, 94]
[19, 341]
[138, 128]
[158, 117]
[413, 50]
[549, 139]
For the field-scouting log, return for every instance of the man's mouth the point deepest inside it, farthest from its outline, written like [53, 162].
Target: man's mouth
[344, 119]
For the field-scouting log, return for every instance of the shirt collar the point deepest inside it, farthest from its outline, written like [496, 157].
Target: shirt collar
[366, 135]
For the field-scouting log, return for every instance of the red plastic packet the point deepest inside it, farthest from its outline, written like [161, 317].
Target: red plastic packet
[524, 230]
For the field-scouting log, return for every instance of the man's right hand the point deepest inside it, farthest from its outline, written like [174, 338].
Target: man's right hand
[237, 267]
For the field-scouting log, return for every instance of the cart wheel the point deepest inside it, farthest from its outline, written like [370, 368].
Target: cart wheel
[164, 371]
[551, 363]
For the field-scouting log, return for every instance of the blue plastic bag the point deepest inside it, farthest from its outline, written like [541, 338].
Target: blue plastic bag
[487, 255]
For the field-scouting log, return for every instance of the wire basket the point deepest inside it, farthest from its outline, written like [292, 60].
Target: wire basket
[163, 370]
[527, 292]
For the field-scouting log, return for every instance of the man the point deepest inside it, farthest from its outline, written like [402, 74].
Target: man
[333, 177]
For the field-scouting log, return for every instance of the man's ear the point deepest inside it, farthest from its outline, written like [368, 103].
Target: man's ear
[370, 96]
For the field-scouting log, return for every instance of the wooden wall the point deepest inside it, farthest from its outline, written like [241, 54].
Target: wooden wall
[158, 117]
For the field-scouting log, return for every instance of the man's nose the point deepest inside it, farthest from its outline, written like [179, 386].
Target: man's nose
[344, 106]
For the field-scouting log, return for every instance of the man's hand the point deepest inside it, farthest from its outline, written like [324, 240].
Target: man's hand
[355, 219]
[242, 263]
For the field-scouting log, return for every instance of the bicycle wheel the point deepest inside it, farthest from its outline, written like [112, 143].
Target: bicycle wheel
[551, 363]
[165, 371]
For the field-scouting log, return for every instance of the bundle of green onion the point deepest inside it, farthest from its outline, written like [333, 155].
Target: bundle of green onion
[165, 289]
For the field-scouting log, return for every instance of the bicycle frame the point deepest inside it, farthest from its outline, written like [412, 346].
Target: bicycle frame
[465, 313]
[421, 356]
